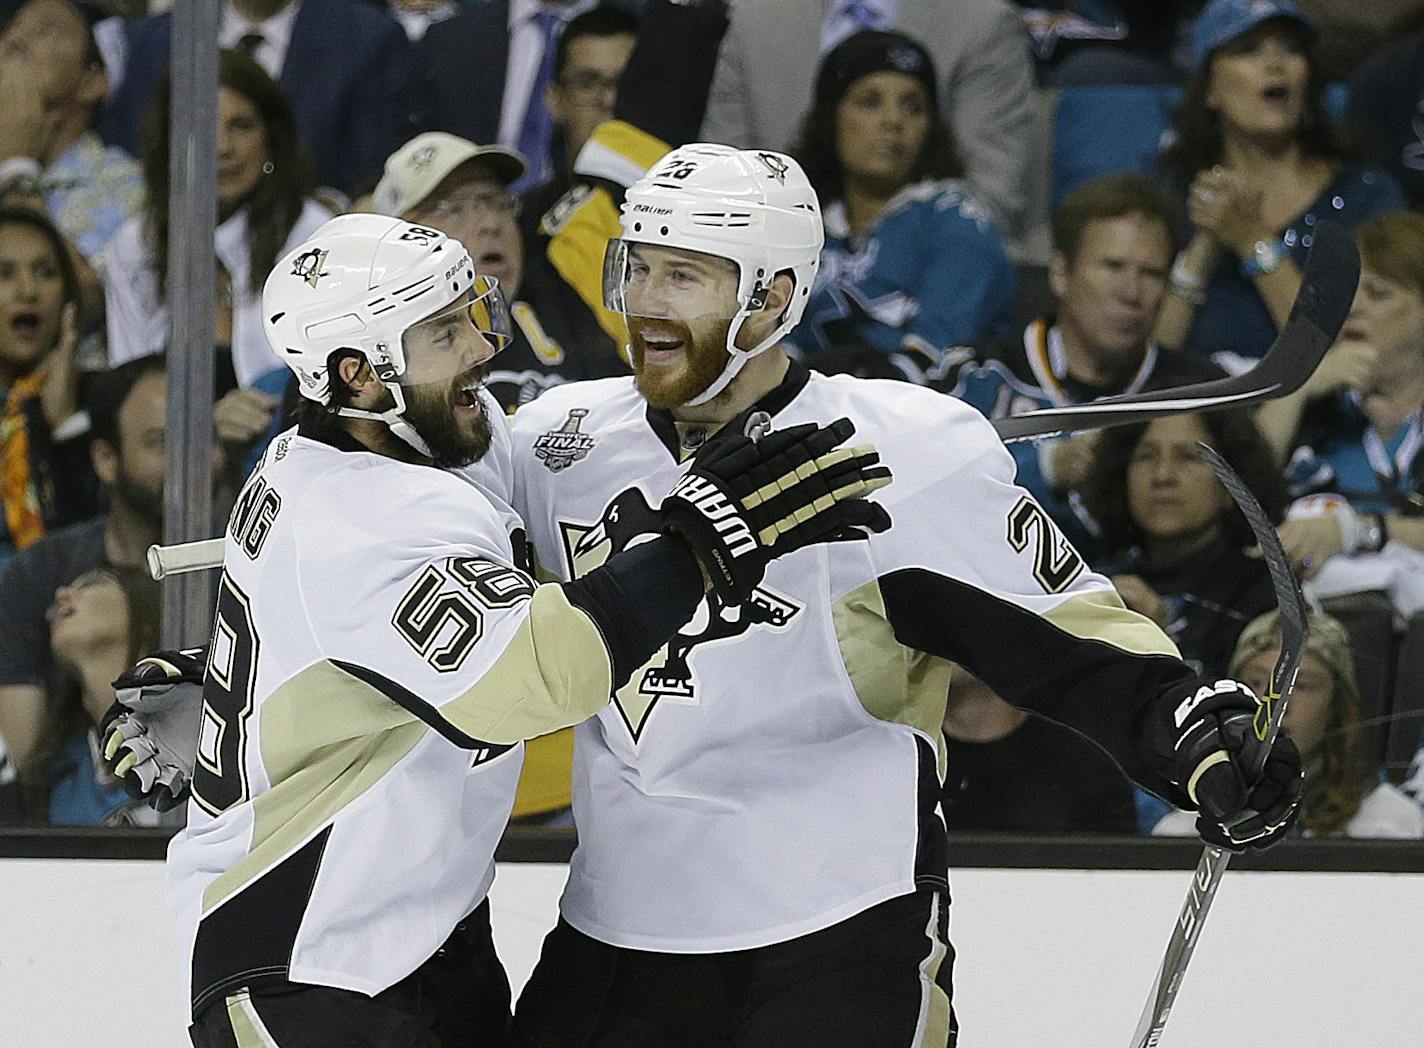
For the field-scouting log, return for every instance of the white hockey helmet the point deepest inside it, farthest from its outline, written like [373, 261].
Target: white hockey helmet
[366, 283]
[752, 207]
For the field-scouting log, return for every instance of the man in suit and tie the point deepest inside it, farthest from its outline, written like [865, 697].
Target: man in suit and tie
[765, 73]
[485, 72]
[345, 65]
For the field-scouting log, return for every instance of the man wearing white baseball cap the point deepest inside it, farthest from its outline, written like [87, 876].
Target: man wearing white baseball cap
[462, 189]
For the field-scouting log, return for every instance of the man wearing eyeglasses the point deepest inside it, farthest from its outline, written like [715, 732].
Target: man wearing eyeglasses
[461, 189]
[591, 57]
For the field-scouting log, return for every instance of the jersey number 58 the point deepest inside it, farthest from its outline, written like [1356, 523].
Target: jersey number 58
[220, 773]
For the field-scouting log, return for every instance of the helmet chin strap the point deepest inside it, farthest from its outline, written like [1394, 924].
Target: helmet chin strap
[736, 358]
[394, 420]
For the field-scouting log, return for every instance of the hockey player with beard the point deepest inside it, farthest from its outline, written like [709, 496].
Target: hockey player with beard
[761, 861]
[379, 656]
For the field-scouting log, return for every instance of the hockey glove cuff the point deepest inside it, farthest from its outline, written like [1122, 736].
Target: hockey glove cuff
[150, 734]
[745, 501]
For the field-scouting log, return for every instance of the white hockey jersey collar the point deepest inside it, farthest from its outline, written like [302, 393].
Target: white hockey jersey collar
[679, 438]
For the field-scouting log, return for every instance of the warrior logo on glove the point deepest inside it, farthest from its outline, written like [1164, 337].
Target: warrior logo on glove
[745, 501]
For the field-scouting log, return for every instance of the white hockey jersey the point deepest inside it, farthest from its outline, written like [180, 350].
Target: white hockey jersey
[376, 661]
[777, 769]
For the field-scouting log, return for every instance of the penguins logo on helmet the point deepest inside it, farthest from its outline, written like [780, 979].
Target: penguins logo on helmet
[776, 165]
[308, 265]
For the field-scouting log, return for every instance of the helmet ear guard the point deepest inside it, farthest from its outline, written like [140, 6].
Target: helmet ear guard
[393, 417]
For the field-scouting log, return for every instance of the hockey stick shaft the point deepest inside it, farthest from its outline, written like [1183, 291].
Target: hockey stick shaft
[184, 556]
[1213, 861]
[1327, 287]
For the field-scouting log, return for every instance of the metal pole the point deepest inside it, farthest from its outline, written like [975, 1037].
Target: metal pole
[192, 216]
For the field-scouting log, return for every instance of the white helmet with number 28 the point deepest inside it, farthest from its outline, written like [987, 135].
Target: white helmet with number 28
[752, 207]
[363, 283]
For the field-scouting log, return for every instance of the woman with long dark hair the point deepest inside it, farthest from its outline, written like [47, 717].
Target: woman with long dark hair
[264, 209]
[99, 625]
[912, 263]
[45, 477]
[1176, 542]
[1259, 164]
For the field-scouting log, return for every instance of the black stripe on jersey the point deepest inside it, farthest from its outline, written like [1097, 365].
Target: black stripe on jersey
[638, 599]
[409, 700]
[1091, 686]
[932, 848]
[248, 940]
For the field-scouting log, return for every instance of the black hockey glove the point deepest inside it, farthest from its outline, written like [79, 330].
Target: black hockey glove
[1208, 740]
[747, 500]
[150, 734]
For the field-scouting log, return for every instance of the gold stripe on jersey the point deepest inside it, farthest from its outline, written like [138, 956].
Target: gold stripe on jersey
[1102, 616]
[327, 736]
[546, 348]
[894, 683]
[938, 1008]
[248, 1029]
[620, 152]
[326, 739]
[554, 672]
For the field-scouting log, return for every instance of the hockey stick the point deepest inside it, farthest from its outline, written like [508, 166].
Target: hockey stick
[1214, 860]
[184, 556]
[1327, 287]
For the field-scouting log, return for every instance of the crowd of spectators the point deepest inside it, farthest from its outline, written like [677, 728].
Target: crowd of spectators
[513, 125]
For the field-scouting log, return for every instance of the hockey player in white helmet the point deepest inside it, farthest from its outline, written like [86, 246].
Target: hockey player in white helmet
[761, 859]
[688, 227]
[379, 655]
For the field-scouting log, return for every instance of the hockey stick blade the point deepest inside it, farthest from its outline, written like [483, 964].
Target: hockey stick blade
[1213, 862]
[1327, 287]
[1289, 600]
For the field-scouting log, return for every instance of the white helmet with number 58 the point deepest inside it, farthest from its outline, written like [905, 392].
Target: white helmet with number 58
[406, 297]
[752, 207]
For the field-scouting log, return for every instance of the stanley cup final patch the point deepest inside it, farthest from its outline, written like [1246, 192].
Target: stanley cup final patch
[560, 448]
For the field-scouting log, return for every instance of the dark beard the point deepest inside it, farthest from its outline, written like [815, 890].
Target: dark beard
[704, 360]
[430, 409]
[144, 503]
